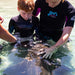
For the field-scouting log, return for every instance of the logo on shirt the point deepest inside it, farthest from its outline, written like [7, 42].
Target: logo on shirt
[52, 14]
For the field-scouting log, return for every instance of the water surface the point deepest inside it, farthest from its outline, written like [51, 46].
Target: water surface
[14, 62]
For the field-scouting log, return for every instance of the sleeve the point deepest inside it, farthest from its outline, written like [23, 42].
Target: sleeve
[37, 7]
[70, 12]
[11, 26]
[35, 24]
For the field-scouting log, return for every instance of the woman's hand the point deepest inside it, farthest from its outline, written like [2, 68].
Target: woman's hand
[50, 51]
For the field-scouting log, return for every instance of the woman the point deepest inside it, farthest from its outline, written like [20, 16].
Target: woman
[56, 22]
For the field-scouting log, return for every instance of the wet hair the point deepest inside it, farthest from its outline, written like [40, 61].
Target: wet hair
[26, 5]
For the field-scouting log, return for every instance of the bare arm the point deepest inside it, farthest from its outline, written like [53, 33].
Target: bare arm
[65, 35]
[5, 35]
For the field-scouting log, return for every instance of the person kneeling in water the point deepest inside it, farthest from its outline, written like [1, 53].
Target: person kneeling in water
[24, 24]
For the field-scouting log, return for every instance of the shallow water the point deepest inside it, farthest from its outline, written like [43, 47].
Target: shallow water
[15, 62]
[20, 61]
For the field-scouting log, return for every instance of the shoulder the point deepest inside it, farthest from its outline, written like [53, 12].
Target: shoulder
[67, 7]
[67, 4]
[15, 18]
[34, 18]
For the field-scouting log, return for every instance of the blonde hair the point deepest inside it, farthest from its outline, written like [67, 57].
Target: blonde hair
[63, 1]
[26, 5]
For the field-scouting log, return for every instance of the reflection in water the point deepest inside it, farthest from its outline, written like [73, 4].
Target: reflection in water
[24, 60]
[11, 60]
